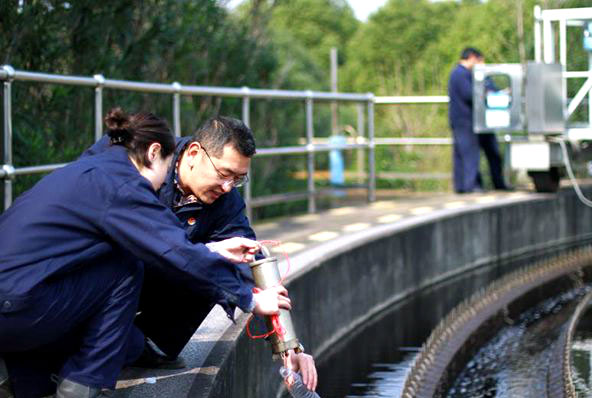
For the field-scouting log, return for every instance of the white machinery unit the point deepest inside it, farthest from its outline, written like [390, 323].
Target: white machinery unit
[529, 103]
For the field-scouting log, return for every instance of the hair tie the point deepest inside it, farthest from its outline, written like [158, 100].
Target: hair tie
[119, 136]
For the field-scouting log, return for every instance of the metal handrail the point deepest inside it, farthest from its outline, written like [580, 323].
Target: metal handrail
[9, 75]
[412, 99]
[365, 122]
[175, 87]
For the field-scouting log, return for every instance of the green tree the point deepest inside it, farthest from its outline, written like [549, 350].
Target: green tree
[190, 41]
[383, 54]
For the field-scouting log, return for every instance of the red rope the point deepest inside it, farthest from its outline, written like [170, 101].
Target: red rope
[275, 319]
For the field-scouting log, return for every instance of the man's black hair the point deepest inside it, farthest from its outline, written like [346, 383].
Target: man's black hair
[219, 131]
[470, 52]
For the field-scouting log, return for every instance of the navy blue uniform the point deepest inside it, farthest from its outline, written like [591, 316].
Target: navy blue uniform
[170, 314]
[69, 266]
[466, 143]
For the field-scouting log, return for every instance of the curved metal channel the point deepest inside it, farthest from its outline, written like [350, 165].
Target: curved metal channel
[563, 351]
[447, 339]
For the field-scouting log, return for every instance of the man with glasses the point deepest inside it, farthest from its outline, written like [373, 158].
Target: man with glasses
[200, 188]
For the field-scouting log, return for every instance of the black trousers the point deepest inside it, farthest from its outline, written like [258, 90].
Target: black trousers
[79, 327]
[170, 312]
[488, 142]
[466, 155]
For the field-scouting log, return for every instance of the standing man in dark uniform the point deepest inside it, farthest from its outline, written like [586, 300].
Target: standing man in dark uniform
[467, 177]
[200, 188]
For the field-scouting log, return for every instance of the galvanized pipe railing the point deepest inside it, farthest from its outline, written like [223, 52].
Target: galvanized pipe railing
[8, 75]
[6, 160]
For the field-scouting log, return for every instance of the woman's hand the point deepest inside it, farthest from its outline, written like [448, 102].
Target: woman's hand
[269, 301]
[237, 250]
[304, 364]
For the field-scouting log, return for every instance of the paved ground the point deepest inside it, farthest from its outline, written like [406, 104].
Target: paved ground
[303, 232]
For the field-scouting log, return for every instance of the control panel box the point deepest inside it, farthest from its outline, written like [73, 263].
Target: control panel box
[497, 98]
[545, 108]
[501, 106]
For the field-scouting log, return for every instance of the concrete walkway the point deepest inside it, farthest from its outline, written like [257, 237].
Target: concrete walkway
[303, 232]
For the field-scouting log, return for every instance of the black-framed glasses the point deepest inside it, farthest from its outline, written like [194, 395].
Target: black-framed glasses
[227, 182]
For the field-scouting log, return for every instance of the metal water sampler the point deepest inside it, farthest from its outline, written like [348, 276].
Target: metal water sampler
[266, 275]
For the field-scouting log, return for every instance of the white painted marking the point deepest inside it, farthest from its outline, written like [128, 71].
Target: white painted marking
[454, 205]
[342, 211]
[356, 227]
[323, 236]
[516, 195]
[421, 210]
[485, 199]
[383, 205]
[288, 247]
[389, 218]
[306, 218]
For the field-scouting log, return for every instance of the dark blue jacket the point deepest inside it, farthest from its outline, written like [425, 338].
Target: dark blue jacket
[220, 220]
[82, 211]
[460, 92]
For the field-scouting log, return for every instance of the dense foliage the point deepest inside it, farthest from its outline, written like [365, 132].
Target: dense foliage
[407, 47]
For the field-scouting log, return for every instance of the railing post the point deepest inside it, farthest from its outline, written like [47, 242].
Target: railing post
[248, 187]
[371, 151]
[6, 153]
[177, 109]
[548, 42]
[312, 204]
[99, 106]
[563, 56]
[590, 92]
[537, 34]
[359, 139]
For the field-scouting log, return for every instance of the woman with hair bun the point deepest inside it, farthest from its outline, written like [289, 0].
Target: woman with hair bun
[71, 263]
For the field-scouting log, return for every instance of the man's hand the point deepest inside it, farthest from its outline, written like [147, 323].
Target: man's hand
[269, 301]
[237, 250]
[304, 364]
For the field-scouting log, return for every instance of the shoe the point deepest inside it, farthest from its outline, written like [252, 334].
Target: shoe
[5, 387]
[474, 190]
[71, 389]
[151, 358]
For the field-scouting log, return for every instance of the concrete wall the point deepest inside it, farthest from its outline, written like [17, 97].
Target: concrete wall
[343, 284]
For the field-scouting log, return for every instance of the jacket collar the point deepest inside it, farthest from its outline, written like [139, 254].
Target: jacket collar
[168, 189]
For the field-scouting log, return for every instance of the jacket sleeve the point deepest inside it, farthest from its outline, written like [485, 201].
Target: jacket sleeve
[464, 87]
[138, 222]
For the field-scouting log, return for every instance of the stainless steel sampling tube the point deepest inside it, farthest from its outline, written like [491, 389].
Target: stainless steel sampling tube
[266, 274]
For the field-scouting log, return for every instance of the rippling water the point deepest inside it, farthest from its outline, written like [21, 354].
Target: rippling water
[512, 364]
[386, 379]
[516, 361]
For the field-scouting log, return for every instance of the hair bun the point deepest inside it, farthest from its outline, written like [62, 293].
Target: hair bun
[118, 123]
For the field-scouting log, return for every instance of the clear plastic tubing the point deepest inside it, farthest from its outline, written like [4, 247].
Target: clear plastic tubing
[297, 389]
